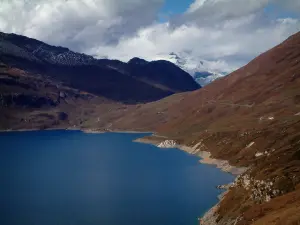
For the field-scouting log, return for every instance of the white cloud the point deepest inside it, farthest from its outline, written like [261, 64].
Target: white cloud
[231, 42]
[77, 23]
[225, 9]
[224, 33]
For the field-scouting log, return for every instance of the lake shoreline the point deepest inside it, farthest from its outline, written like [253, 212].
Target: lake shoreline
[87, 131]
[209, 217]
[204, 155]
[61, 132]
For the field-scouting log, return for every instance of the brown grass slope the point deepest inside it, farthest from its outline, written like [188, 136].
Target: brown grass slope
[267, 86]
[31, 101]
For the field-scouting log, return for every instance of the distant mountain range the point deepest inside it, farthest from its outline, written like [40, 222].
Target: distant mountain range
[197, 68]
[205, 77]
[137, 81]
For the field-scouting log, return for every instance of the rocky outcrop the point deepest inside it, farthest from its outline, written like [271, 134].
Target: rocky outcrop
[261, 190]
[168, 144]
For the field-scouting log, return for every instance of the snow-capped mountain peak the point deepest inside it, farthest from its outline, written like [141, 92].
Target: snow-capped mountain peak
[203, 71]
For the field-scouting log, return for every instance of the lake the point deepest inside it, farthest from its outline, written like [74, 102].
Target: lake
[74, 178]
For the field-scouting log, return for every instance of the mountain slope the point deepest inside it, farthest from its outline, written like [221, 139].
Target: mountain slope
[250, 118]
[109, 78]
[266, 84]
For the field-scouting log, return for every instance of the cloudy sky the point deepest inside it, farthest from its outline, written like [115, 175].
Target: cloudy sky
[225, 33]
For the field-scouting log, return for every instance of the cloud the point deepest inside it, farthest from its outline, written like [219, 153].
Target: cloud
[224, 33]
[293, 5]
[77, 23]
[233, 41]
[218, 10]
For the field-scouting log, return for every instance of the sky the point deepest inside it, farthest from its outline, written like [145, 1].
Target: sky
[225, 33]
[172, 8]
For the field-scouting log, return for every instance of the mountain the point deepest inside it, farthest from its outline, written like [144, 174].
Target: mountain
[204, 78]
[161, 72]
[112, 79]
[250, 119]
[199, 69]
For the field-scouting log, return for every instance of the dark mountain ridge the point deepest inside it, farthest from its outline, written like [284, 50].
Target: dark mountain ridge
[125, 82]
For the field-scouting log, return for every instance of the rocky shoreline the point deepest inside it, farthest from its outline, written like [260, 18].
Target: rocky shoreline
[195, 150]
[210, 217]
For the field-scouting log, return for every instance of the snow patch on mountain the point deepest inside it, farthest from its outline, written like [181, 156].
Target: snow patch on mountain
[203, 71]
[34, 50]
[206, 77]
[66, 57]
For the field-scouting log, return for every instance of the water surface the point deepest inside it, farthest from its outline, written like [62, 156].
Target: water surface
[73, 178]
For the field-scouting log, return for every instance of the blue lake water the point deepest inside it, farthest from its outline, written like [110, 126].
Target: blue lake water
[73, 178]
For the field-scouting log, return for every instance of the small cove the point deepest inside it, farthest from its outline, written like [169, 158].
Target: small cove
[71, 177]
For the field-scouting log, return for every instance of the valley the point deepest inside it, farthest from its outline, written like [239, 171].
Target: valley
[249, 118]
